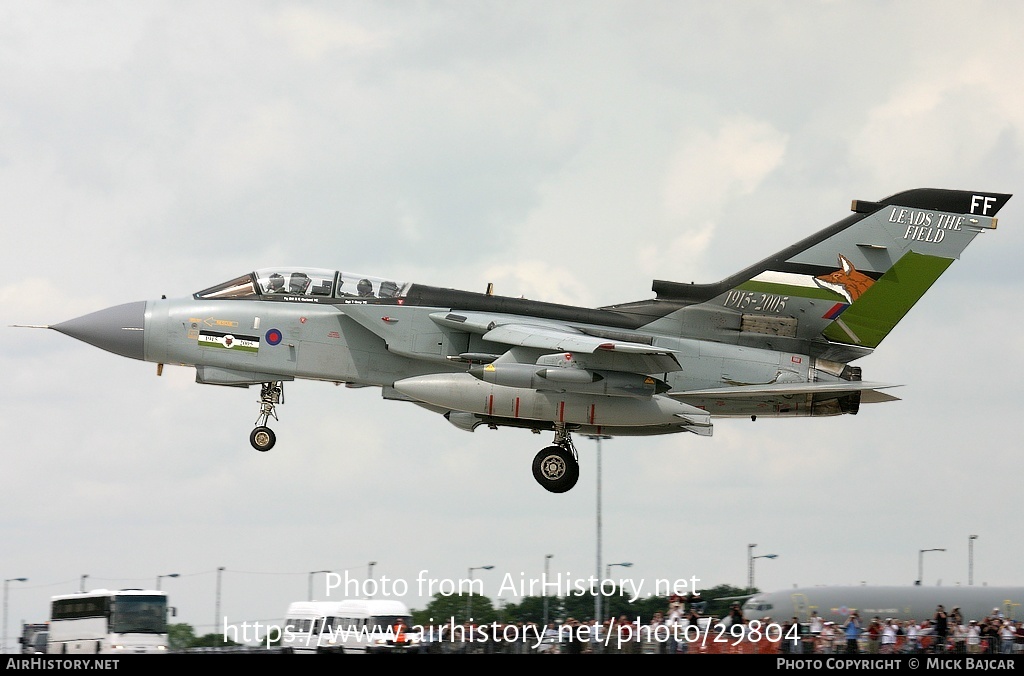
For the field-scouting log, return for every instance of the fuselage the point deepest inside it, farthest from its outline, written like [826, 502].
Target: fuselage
[239, 333]
[835, 604]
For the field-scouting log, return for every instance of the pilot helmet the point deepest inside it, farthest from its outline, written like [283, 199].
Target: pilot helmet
[299, 282]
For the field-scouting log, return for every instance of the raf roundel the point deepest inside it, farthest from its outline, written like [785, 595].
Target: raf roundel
[273, 337]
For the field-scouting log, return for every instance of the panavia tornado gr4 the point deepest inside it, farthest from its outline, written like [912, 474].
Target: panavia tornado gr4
[775, 339]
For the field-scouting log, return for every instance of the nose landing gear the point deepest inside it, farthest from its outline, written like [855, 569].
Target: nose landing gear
[263, 438]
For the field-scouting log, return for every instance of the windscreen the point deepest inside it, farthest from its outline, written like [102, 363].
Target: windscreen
[139, 615]
[383, 622]
[239, 287]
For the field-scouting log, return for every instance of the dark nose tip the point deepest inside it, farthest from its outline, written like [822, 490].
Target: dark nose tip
[119, 329]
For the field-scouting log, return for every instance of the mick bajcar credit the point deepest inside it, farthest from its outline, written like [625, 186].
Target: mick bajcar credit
[941, 662]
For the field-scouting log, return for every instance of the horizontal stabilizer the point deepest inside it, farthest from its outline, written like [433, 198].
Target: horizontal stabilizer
[743, 391]
[876, 397]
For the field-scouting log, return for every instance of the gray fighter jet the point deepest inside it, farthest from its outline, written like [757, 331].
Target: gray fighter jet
[775, 339]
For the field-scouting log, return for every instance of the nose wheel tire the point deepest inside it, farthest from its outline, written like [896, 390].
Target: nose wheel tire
[556, 469]
[263, 438]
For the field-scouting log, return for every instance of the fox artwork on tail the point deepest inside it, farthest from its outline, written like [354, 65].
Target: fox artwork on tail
[846, 281]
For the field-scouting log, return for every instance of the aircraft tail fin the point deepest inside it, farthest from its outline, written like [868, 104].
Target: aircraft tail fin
[852, 282]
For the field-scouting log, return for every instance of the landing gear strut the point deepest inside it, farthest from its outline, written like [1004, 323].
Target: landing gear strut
[557, 468]
[263, 438]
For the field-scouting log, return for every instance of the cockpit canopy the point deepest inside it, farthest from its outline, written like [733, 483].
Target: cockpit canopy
[306, 282]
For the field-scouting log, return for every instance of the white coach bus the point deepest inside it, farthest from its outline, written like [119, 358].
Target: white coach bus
[353, 626]
[110, 622]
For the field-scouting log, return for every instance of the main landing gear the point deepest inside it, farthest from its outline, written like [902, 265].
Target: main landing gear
[557, 468]
[263, 438]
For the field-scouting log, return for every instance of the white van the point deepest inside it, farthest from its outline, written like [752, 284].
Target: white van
[353, 626]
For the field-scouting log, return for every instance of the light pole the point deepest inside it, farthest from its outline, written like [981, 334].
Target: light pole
[970, 559]
[311, 574]
[162, 576]
[547, 559]
[216, 611]
[608, 568]
[81, 584]
[750, 567]
[469, 601]
[3, 637]
[920, 563]
[750, 588]
[369, 574]
[597, 567]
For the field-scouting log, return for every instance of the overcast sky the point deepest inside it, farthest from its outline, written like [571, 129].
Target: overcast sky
[569, 152]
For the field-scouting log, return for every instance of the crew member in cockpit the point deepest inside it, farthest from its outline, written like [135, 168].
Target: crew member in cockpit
[276, 284]
[299, 283]
[364, 288]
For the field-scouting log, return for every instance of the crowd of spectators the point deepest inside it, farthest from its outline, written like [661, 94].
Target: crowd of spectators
[943, 632]
[665, 633]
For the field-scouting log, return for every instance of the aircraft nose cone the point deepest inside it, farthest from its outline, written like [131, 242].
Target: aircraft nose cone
[119, 329]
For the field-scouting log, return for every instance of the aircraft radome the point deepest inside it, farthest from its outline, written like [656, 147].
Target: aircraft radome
[775, 339]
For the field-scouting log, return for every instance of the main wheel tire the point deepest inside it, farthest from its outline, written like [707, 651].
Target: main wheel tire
[263, 439]
[555, 469]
